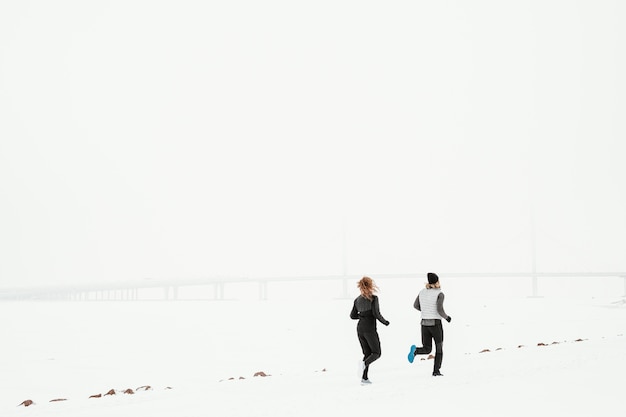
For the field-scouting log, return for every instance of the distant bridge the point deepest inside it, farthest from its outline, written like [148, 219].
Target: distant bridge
[129, 290]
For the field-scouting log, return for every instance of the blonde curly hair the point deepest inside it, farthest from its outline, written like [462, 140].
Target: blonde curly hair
[368, 287]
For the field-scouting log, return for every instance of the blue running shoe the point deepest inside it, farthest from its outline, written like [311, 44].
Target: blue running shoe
[411, 356]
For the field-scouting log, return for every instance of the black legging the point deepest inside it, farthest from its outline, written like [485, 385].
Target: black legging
[430, 333]
[370, 345]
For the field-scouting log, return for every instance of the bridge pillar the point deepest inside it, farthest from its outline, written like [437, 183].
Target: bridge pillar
[345, 287]
[218, 291]
[174, 292]
[535, 286]
[262, 290]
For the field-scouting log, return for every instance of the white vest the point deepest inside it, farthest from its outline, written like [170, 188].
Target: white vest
[428, 303]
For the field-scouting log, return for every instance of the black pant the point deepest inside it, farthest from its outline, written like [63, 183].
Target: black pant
[430, 333]
[370, 345]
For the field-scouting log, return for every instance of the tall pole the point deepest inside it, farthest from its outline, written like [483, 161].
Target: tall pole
[344, 257]
[533, 234]
[533, 250]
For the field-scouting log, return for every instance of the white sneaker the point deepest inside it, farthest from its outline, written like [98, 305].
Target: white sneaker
[366, 382]
[361, 367]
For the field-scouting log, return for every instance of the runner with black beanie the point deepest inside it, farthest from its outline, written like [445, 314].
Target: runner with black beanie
[430, 302]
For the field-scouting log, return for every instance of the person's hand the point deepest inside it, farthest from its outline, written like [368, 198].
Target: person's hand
[386, 323]
[449, 319]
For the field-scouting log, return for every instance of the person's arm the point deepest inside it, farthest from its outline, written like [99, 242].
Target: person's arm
[440, 309]
[376, 312]
[354, 314]
[416, 304]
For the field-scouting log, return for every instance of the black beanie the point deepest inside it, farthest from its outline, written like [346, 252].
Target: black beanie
[432, 278]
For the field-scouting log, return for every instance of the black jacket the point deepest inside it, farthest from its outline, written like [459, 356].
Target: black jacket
[367, 312]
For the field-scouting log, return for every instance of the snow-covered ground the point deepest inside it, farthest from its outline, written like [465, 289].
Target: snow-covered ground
[187, 351]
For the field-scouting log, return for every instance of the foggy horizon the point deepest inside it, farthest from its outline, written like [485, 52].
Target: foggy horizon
[187, 139]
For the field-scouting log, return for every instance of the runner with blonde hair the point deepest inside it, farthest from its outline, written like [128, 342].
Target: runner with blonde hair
[366, 309]
[368, 287]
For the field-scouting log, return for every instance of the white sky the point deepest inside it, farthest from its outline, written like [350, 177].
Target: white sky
[193, 138]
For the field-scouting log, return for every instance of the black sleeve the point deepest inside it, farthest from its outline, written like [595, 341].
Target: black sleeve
[354, 314]
[376, 312]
